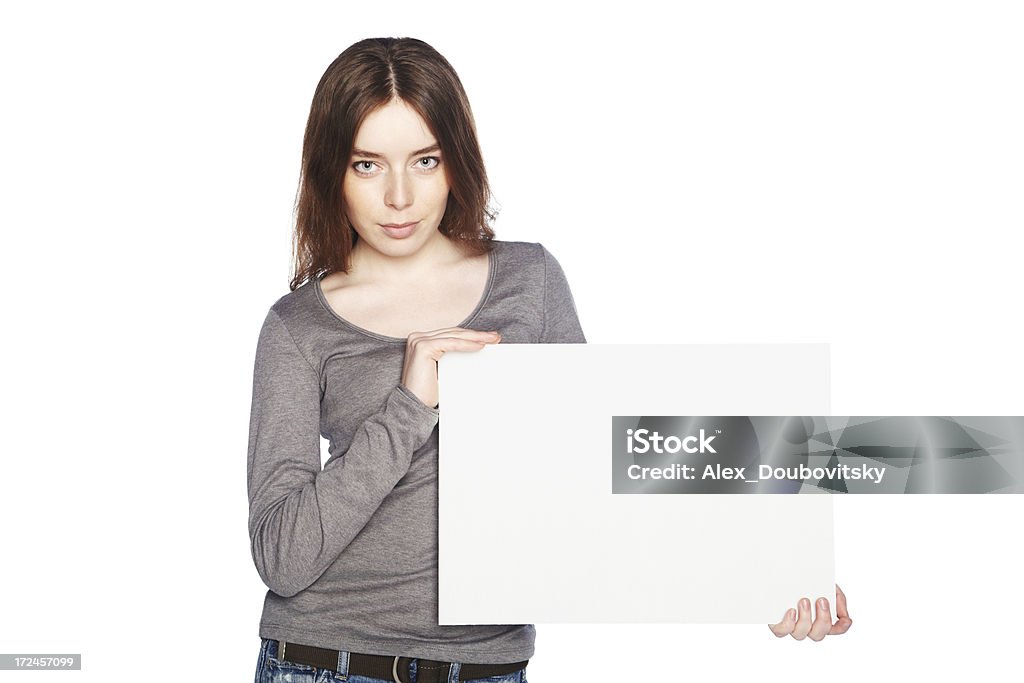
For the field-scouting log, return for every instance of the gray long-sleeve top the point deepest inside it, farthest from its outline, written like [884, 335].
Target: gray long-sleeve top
[349, 551]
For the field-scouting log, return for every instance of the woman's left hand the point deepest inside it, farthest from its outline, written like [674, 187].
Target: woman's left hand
[800, 626]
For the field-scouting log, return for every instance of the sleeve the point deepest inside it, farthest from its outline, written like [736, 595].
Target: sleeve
[561, 324]
[301, 517]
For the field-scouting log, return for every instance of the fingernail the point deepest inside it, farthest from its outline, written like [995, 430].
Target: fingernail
[805, 603]
[823, 603]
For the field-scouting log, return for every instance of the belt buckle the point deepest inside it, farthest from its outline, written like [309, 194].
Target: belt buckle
[394, 669]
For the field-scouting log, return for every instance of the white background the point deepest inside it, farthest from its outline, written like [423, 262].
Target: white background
[777, 172]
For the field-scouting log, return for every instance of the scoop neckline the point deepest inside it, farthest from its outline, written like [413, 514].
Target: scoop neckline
[492, 267]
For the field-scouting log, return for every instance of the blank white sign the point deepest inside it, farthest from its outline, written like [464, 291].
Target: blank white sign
[530, 531]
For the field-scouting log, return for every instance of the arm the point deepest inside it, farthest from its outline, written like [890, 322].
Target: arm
[561, 324]
[301, 517]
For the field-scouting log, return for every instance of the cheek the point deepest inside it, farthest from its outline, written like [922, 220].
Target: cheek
[438, 193]
[356, 199]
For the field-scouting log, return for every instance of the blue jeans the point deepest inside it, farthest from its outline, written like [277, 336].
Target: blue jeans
[270, 669]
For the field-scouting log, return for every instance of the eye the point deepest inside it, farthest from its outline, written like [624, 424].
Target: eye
[363, 167]
[428, 163]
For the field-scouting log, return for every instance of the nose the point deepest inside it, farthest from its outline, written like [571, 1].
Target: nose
[398, 194]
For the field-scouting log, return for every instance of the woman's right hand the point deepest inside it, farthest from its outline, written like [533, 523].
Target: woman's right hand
[424, 349]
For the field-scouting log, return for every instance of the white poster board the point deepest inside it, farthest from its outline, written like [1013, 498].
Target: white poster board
[530, 531]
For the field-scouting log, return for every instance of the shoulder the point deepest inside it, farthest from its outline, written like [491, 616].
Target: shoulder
[522, 253]
[519, 266]
[294, 316]
[528, 255]
[529, 265]
[295, 304]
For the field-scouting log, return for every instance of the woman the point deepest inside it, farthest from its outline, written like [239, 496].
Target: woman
[397, 265]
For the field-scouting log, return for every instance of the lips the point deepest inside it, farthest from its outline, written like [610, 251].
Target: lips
[399, 230]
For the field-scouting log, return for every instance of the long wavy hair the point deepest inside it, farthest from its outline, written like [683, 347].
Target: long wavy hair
[368, 75]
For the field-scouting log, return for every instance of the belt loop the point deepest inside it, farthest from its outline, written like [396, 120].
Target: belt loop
[343, 663]
[453, 672]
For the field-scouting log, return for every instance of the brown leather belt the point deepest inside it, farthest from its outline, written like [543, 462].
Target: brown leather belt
[389, 668]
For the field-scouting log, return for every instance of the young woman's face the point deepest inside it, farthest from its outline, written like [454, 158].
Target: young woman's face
[395, 187]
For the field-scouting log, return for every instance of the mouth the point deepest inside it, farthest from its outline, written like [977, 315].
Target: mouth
[399, 230]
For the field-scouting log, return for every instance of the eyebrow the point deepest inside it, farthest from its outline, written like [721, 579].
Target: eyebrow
[373, 155]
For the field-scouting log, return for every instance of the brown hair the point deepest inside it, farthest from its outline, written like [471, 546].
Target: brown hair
[367, 75]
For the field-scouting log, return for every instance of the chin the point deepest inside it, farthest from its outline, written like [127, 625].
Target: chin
[395, 247]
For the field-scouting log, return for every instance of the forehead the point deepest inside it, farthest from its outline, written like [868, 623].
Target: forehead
[394, 129]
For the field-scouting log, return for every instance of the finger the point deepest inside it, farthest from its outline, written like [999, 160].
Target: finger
[803, 619]
[478, 337]
[434, 333]
[431, 342]
[435, 348]
[841, 626]
[784, 627]
[822, 621]
[455, 332]
[844, 622]
[841, 610]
